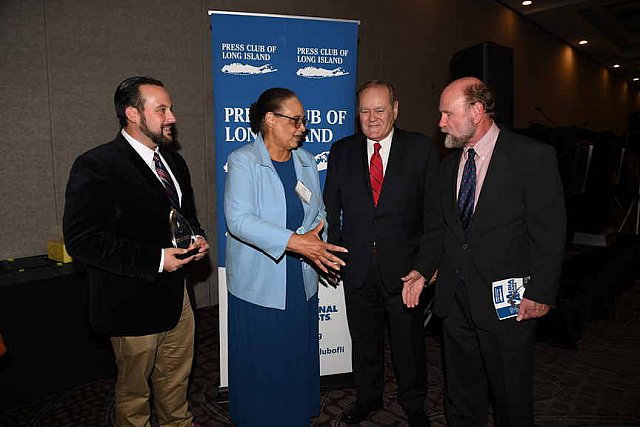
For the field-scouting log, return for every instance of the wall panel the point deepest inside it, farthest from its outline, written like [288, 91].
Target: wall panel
[27, 191]
[65, 59]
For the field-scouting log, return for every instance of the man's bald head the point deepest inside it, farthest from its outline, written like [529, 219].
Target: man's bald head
[474, 90]
[467, 106]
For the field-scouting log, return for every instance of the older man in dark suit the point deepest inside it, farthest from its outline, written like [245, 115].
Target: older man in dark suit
[503, 208]
[116, 221]
[382, 205]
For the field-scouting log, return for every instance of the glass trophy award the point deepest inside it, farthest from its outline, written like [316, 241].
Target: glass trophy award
[182, 235]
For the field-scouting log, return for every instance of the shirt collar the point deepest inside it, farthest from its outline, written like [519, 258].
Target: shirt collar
[384, 142]
[485, 145]
[145, 152]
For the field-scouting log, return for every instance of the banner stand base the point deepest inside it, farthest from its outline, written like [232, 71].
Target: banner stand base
[332, 382]
[222, 396]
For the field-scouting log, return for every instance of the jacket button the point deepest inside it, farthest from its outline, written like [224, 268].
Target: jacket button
[464, 246]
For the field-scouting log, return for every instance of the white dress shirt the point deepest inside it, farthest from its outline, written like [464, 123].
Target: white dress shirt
[385, 148]
[147, 154]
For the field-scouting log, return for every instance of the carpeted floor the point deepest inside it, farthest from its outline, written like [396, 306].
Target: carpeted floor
[595, 384]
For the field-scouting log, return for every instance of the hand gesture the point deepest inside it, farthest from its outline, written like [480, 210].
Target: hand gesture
[203, 247]
[313, 248]
[412, 287]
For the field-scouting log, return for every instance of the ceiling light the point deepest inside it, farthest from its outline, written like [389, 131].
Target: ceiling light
[526, 2]
[616, 65]
[635, 79]
[583, 42]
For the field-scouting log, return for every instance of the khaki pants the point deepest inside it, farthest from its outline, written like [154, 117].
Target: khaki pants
[166, 359]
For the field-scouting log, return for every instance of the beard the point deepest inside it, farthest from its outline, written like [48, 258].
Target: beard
[158, 138]
[454, 142]
[459, 141]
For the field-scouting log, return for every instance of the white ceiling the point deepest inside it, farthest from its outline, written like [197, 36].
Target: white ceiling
[612, 28]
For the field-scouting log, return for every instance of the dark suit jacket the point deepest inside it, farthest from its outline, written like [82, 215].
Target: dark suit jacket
[116, 221]
[518, 228]
[405, 226]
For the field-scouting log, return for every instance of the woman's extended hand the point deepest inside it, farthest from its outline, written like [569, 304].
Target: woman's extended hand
[312, 247]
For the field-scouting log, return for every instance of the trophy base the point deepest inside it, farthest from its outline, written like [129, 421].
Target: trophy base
[187, 254]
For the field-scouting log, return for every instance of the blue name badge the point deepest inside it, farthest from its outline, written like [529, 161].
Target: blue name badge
[507, 296]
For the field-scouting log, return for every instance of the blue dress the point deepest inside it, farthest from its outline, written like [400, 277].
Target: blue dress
[274, 362]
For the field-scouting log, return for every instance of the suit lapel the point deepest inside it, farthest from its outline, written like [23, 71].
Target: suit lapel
[450, 211]
[141, 167]
[175, 168]
[496, 174]
[362, 163]
[302, 169]
[394, 167]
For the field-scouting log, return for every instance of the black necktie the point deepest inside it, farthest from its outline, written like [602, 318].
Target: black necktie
[167, 182]
[467, 193]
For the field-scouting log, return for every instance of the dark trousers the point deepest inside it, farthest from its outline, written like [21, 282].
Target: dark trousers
[369, 309]
[485, 366]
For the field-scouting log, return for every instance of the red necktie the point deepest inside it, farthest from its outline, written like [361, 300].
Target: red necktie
[376, 174]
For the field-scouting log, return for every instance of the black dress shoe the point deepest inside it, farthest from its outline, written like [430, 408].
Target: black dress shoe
[418, 419]
[359, 412]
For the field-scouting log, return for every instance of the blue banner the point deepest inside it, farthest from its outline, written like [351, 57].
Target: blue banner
[317, 59]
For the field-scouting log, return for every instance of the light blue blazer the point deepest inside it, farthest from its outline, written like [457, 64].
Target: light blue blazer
[256, 215]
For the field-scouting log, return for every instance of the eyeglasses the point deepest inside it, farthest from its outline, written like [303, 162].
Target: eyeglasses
[297, 121]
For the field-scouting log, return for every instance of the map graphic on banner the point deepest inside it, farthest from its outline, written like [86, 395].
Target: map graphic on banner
[317, 59]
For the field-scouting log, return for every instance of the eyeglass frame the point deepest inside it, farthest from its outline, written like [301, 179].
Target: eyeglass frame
[297, 121]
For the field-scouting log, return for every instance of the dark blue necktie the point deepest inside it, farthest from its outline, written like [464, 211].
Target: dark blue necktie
[467, 192]
[167, 182]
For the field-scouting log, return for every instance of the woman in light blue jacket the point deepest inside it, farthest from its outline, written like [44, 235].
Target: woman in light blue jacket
[275, 216]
